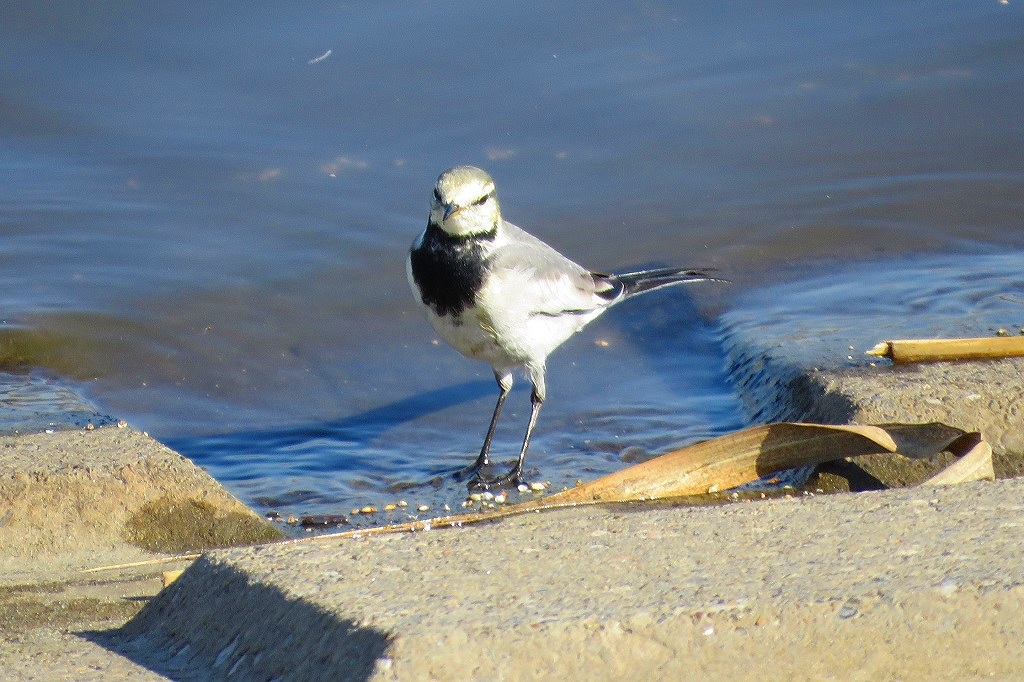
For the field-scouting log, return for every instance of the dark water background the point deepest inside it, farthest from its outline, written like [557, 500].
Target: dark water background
[205, 208]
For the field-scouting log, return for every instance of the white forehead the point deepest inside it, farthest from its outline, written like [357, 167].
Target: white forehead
[463, 185]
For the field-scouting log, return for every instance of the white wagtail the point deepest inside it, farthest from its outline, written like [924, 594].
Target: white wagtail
[499, 294]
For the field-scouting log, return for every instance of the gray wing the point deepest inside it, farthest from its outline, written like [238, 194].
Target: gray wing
[557, 285]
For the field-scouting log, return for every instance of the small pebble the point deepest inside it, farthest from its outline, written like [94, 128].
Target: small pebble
[537, 486]
[292, 520]
[423, 507]
[523, 488]
[390, 507]
[475, 497]
[403, 503]
[121, 424]
[501, 497]
[368, 510]
[89, 427]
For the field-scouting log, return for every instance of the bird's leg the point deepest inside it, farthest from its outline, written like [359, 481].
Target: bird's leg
[504, 386]
[515, 474]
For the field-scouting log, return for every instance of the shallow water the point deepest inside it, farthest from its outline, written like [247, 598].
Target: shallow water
[205, 214]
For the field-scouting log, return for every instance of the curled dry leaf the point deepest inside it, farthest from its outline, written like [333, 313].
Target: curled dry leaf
[741, 457]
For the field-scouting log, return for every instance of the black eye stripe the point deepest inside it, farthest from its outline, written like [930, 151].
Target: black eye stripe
[483, 199]
[437, 195]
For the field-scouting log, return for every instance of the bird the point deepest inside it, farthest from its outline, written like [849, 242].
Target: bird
[498, 294]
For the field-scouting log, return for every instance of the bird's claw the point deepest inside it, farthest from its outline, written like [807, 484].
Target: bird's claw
[512, 479]
[473, 469]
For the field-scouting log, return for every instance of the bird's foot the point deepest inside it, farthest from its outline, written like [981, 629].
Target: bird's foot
[473, 469]
[512, 479]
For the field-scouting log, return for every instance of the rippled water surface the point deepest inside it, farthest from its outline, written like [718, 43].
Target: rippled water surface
[205, 210]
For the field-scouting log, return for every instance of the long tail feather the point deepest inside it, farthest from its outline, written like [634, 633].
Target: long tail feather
[648, 280]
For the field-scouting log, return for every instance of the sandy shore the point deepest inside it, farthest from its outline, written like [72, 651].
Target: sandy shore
[923, 583]
[71, 500]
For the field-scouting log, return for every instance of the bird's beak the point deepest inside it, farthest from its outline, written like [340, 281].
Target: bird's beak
[450, 210]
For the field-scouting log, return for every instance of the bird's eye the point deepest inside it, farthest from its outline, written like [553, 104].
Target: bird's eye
[437, 195]
[482, 200]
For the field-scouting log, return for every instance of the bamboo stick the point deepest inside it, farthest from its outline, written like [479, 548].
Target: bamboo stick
[932, 350]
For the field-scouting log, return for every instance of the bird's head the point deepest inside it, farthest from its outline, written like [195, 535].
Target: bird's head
[465, 203]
